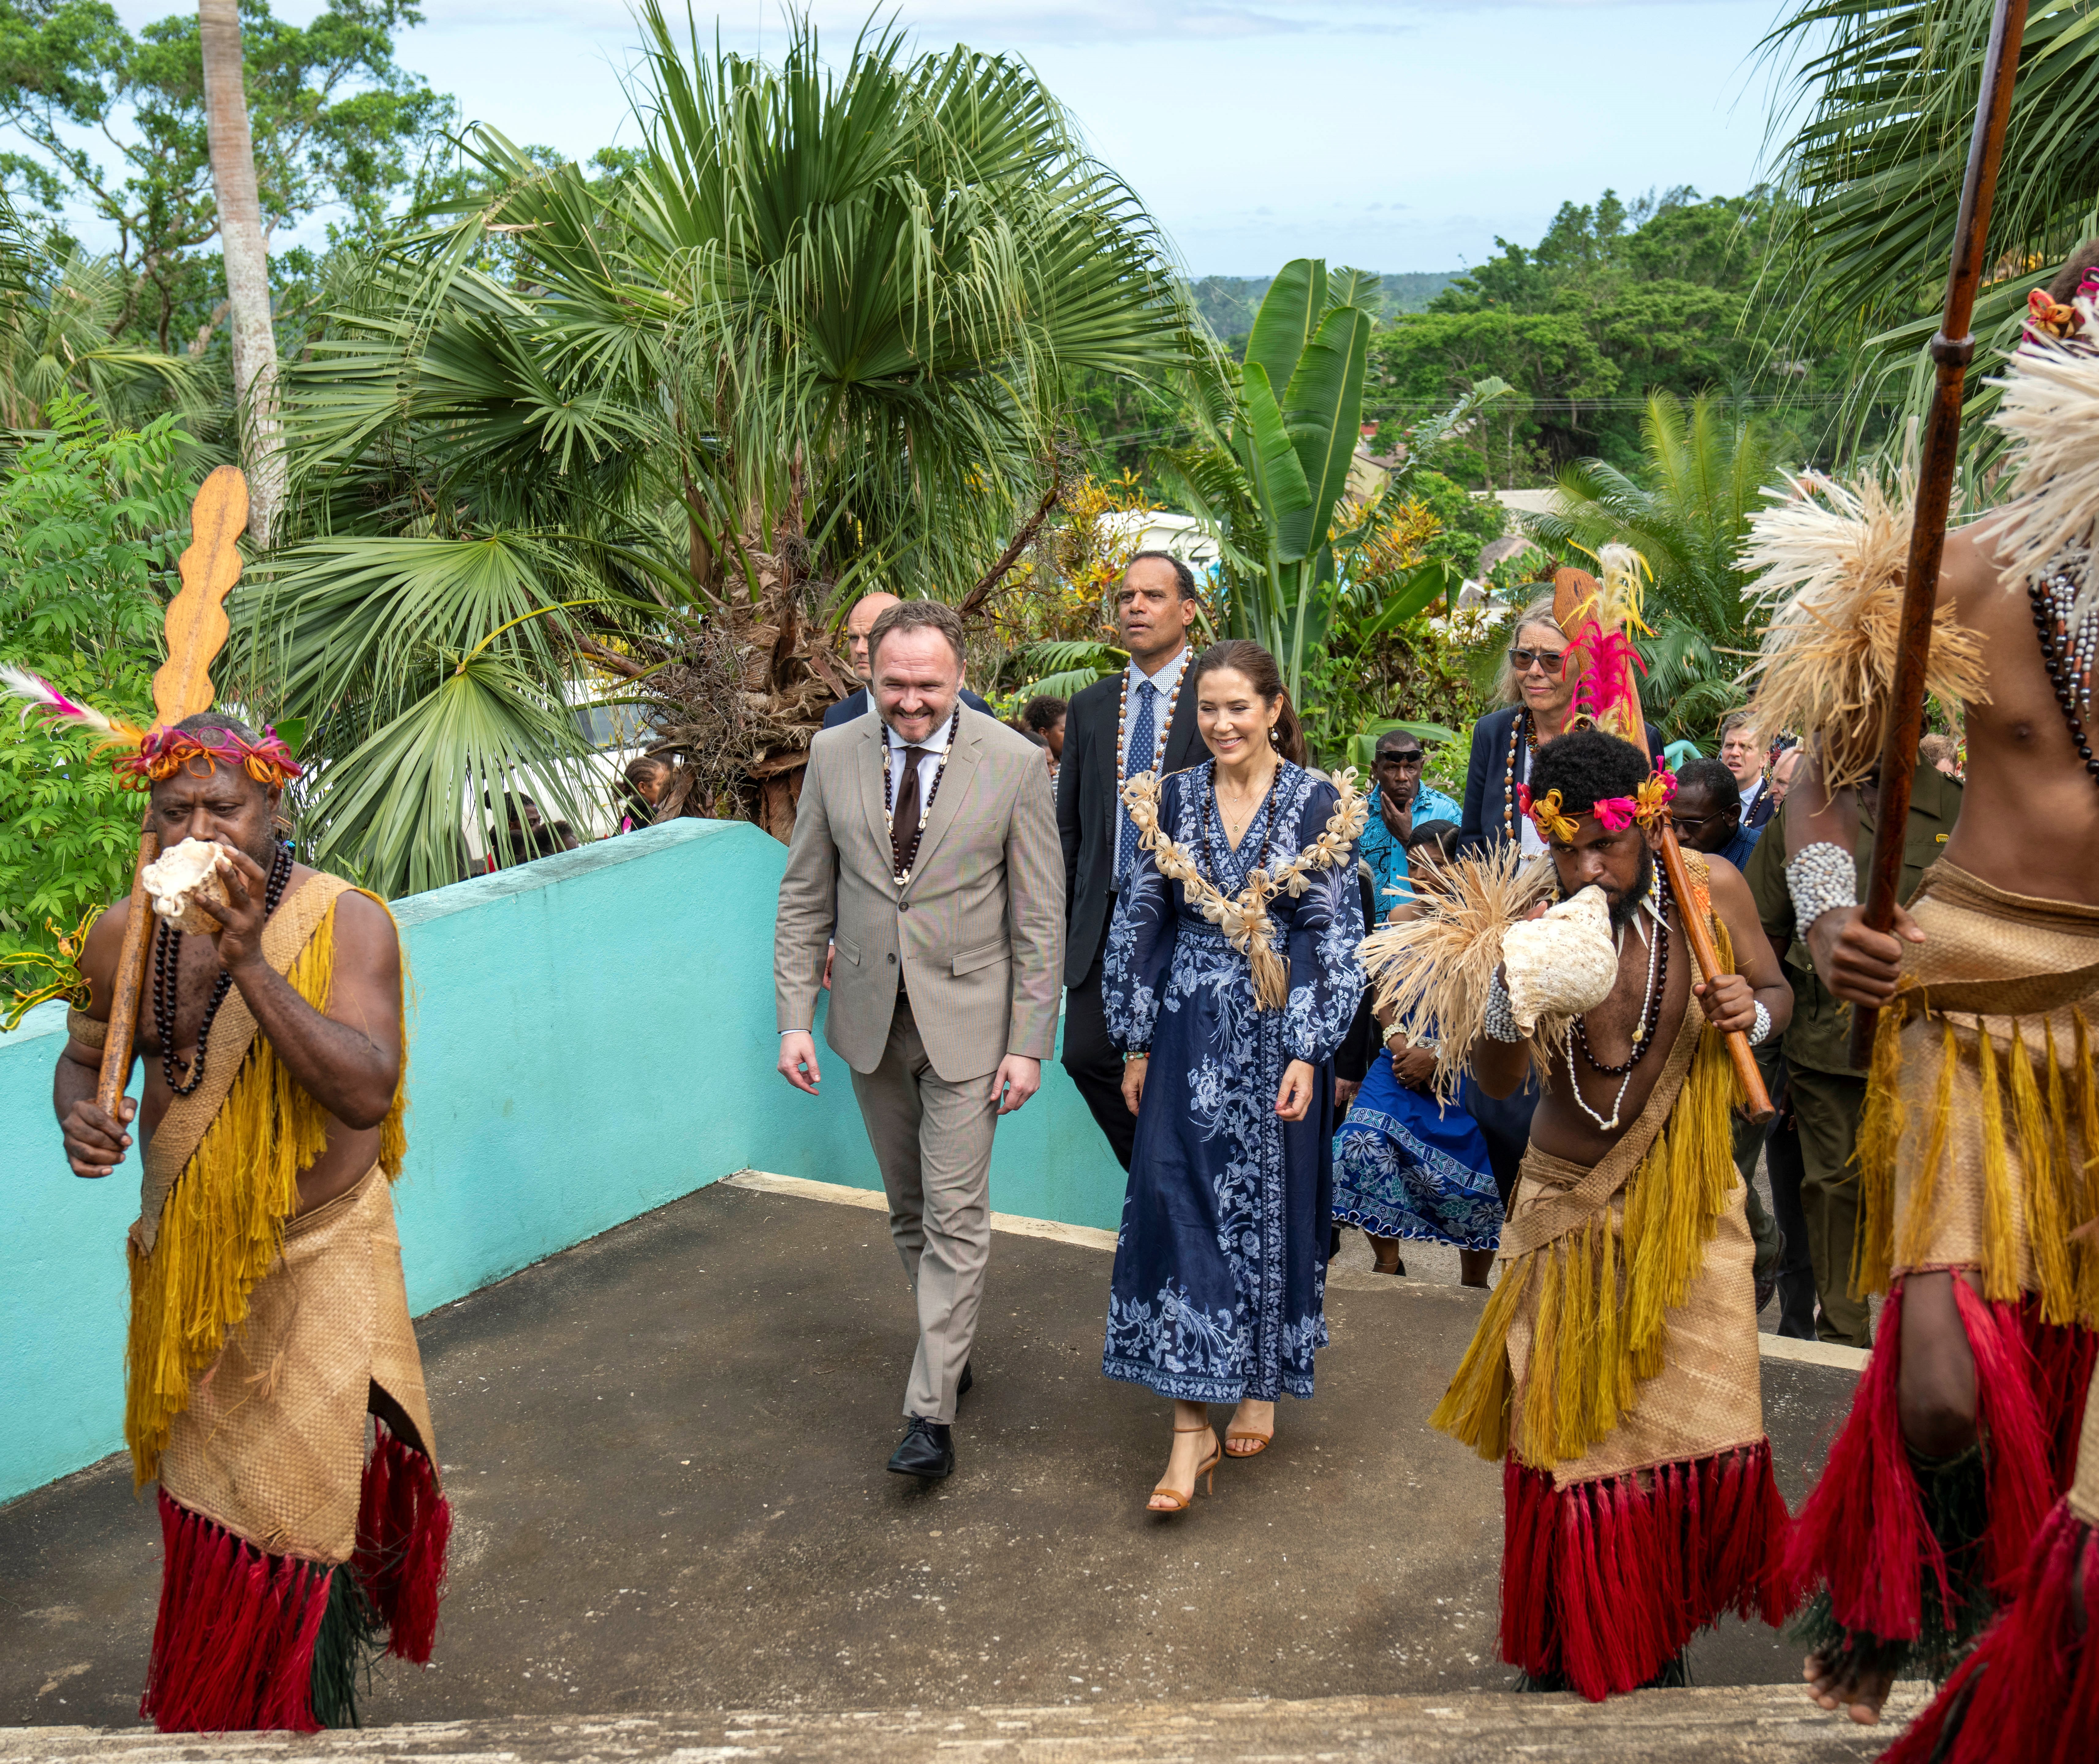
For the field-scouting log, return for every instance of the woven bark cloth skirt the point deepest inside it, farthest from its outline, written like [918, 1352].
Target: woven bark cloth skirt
[270, 1486]
[1614, 1560]
[1980, 1118]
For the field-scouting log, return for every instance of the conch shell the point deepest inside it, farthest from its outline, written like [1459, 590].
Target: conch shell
[1563, 964]
[182, 881]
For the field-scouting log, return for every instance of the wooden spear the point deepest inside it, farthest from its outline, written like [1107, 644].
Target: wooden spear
[197, 629]
[1756, 1103]
[1952, 348]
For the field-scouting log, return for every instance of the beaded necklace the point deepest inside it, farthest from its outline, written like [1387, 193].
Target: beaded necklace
[1650, 1017]
[167, 968]
[1123, 755]
[2069, 652]
[1519, 733]
[926, 810]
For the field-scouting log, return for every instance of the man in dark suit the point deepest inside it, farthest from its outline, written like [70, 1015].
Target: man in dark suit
[859, 623]
[1138, 720]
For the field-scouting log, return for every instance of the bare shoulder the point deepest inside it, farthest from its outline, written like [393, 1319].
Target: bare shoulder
[1731, 899]
[366, 935]
[1971, 572]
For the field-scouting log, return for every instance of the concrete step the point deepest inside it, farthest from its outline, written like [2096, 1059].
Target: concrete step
[1745, 1724]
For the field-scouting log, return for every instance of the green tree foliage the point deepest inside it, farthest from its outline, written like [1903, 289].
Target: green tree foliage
[116, 122]
[1686, 509]
[823, 329]
[92, 518]
[1873, 172]
[1612, 303]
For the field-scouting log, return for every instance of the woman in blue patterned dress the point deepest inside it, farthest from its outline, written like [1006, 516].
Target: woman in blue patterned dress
[1405, 1166]
[1219, 1287]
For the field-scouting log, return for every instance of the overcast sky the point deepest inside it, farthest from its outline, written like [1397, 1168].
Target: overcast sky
[1387, 134]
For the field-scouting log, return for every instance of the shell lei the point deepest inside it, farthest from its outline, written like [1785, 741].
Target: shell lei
[1243, 917]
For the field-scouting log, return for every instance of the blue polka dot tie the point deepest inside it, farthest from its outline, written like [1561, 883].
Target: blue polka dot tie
[1142, 738]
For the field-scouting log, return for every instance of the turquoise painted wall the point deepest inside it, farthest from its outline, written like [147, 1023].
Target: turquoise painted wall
[592, 1036]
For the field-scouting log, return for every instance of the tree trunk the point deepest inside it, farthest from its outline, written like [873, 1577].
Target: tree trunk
[247, 263]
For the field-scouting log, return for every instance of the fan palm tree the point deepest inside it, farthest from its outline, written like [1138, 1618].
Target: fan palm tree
[1687, 512]
[1887, 94]
[820, 333]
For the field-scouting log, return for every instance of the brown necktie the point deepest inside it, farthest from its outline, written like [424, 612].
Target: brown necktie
[903, 824]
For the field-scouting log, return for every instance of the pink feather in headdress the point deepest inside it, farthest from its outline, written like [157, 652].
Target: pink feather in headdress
[1608, 694]
[42, 695]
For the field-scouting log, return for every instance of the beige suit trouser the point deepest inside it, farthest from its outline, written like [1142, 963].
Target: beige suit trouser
[933, 1142]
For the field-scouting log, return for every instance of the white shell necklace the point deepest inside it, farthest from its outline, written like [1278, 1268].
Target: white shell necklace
[1655, 945]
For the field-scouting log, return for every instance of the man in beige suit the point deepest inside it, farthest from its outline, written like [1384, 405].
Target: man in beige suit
[926, 835]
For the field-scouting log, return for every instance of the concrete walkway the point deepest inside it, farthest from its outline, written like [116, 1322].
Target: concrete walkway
[666, 1449]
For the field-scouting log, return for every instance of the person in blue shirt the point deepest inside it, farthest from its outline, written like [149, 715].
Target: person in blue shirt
[1707, 810]
[1401, 801]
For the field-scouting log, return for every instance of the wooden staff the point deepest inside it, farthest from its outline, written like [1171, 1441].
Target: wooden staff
[1952, 348]
[197, 628]
[130, 980]
[1759, 1105]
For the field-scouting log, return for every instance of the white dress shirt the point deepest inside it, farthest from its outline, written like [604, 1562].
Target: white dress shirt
[936, 747]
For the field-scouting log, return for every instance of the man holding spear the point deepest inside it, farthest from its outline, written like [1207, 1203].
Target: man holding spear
[269, 1319]
[1978, 1188]
[1615, 1369]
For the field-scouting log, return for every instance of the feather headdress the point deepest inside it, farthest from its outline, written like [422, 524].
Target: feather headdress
[1830, 559]
[1600, 626]
[2048, 404]
[149, 755]
[41, 696]
[1433, 971]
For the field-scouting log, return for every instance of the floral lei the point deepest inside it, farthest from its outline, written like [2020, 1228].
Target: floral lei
[1243, 917]
[1648, 806]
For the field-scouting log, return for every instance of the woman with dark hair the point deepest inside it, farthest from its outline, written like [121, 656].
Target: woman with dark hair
[1231, 978]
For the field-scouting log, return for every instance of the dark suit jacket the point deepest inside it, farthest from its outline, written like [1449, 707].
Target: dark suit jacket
[854, 704]
[1489, 803]
[1759, 813]
[1087, 809]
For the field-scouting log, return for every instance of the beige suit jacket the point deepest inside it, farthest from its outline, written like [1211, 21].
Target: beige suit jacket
[976, 936]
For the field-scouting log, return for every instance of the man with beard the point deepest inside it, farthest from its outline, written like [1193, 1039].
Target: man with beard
[1615, 1368]
[268, 1316]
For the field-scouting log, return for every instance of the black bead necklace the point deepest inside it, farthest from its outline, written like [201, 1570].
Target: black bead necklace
[932, 795]
[1651, 1017]
[2068, 652]
[167, 969]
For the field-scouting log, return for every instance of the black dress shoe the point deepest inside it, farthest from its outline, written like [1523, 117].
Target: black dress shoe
[928, 1450]
[969, 1378]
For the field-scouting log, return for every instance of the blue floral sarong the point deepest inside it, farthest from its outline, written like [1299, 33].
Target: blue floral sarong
[1219, 1287]
[1405, 1168]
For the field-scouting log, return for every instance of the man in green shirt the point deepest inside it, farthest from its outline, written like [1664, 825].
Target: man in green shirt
[1827, 1092]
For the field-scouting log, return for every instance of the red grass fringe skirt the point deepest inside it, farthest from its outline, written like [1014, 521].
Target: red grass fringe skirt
[233, 1646]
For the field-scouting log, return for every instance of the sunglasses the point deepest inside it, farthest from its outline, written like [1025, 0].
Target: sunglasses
[1411, 757]
[1686, 820]
[1551, 661]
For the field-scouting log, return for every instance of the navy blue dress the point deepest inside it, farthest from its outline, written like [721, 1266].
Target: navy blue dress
[1219, 1276]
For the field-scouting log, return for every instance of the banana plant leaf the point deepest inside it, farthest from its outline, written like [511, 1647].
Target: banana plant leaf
[1288, 319]
[1277, 471]
[1322, 406]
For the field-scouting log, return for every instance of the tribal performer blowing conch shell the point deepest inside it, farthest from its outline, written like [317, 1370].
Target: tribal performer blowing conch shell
[1958, 1483]
[273, 1386]
[1615, 1369]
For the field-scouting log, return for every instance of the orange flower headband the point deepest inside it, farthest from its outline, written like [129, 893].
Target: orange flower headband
[1648, 806]
[145, 757]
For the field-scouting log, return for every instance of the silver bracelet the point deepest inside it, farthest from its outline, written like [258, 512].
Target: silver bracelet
[1762, 1032]
[1822, 878]
[1500, 1021]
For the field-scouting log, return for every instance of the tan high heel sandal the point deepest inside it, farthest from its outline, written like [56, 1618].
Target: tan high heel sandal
[1207, 1467]
[1243, 1442]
